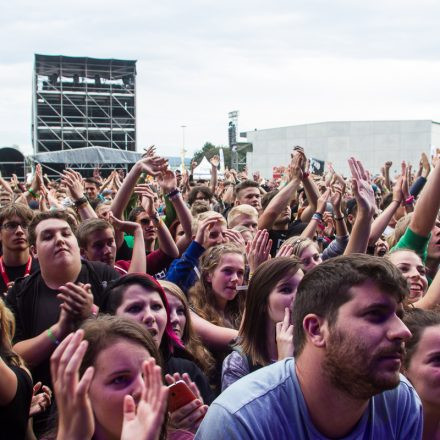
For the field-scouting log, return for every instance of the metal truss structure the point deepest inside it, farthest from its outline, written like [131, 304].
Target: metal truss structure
[83, 102]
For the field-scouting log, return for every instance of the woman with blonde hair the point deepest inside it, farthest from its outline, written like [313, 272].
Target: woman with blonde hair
[16, 394]
[216, 295]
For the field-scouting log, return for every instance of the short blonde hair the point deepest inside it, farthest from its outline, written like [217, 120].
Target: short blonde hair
[202, 216]
[241, 210]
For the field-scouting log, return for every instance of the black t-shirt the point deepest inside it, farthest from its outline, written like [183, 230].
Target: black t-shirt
[36, 306]
[15, 272]
[279, 237]
[179, 365]
[14, 416]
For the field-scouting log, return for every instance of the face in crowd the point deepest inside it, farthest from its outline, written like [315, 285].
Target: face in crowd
[91, 190]
[413, 269]
[101, 246]
[250, 196]
[226, 277]
[56, 244]
[14, 234]
[365, 344]
[148, 228]
[145, 306]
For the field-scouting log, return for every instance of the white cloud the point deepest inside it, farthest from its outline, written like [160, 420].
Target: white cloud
[279, 63]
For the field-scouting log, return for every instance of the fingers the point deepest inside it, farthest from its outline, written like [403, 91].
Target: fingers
[56, 357]
[286, 320]
[84, 384]
[37, 387]
[129, 409]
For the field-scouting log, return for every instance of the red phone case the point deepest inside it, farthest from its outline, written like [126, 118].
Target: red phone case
[179, 395]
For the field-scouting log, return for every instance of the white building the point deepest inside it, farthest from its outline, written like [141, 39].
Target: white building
[372, 142]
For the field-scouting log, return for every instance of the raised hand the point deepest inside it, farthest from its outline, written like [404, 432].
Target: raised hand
[144, 422]
[75, 414]
[40, 400]
[150, 151]
[322, 201]
[123, 225]
[204, 227]
[258, 250]
[147, 198]
[284, 336]
[153, 165]
[167, 181]
[235, 237]
[285, 251]
[215, 161]
[74, 182]
[362, 190]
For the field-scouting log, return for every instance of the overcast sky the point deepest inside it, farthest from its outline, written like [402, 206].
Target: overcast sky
[279, 63]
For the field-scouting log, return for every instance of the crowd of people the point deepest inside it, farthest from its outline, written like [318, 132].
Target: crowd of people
[152, 305]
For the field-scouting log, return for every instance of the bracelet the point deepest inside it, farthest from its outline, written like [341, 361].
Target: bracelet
[305, 175]
[409, 200]
[339, 218]
[81, 201]
[33, 193]
[173, 193]
[317, 216]
[52, 337]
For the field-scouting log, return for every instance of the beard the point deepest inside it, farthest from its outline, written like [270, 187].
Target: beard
[354, 368]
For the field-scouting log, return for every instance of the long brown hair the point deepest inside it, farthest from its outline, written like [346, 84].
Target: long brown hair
[189, 338]
[203, 298]
[253, 331]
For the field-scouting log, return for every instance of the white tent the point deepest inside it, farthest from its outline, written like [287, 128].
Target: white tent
[203, 170]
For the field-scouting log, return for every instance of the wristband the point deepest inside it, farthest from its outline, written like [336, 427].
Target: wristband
[52, 337]
[33, 193]
[173, 193]
[81, 201]
[317, 216]
[409, 200]
[305, 175]
[339, 218]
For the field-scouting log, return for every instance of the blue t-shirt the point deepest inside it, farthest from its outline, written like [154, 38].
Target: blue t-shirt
[269, 404]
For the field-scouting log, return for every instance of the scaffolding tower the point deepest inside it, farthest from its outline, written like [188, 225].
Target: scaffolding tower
[83, 102]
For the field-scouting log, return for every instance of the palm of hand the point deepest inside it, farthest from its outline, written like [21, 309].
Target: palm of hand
[366, 194]
[167, 181]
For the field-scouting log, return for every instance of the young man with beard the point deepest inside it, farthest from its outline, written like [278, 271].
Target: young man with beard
[16, 261]
[344, 381]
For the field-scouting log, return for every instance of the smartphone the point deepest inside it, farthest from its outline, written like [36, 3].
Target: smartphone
[179, 396]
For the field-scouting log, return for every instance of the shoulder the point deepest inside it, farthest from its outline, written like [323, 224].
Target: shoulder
[265, 384]
[400, 398]
[102, 271]
[398, 411]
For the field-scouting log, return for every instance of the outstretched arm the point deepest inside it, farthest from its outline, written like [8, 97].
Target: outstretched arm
[150, 164]
[138, 258]
[428, 205]
[282, 199]
[364, 195]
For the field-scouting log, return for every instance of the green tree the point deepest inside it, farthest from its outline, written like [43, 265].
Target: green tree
[210, 150]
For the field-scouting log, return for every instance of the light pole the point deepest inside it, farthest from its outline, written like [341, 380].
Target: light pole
[183, 151]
